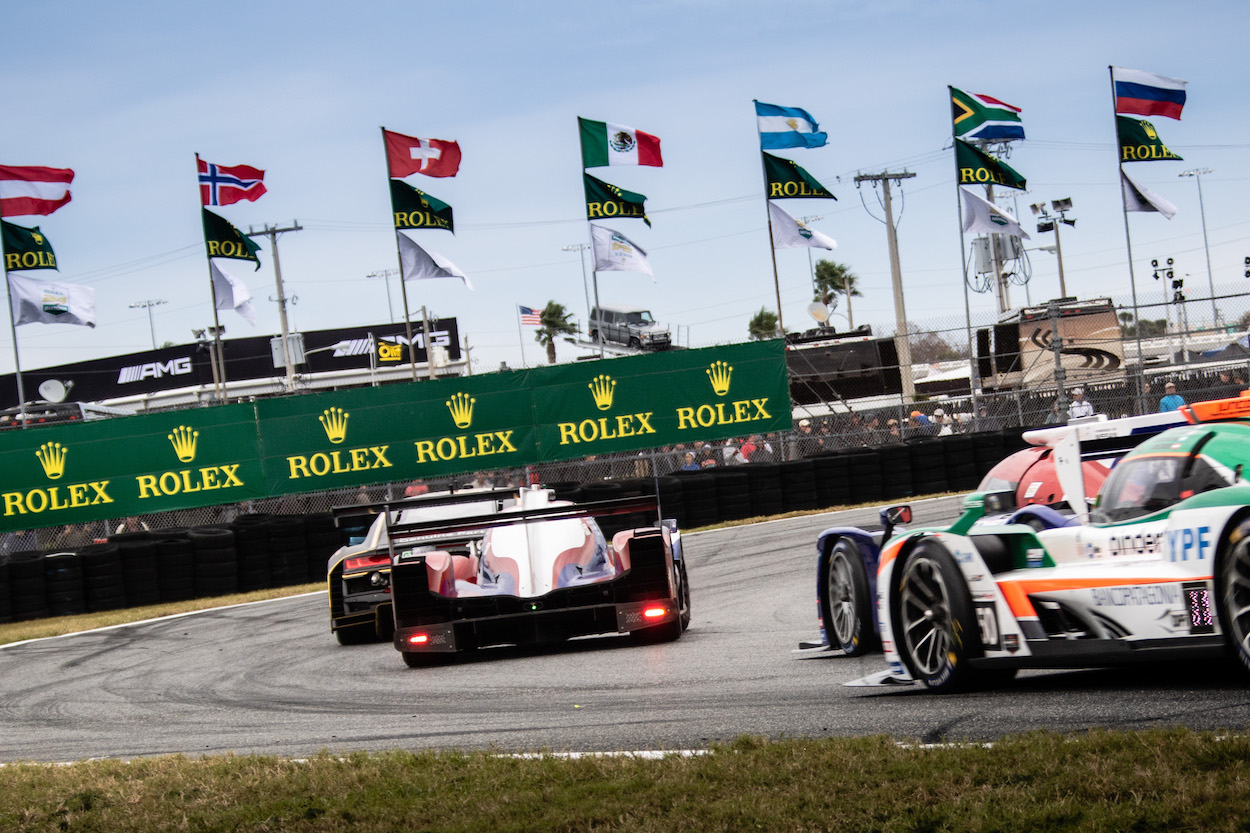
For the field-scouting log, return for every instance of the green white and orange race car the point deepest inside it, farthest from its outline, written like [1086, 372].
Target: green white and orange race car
[1160, 568]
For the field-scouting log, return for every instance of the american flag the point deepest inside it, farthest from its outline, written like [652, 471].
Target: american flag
[530, 317]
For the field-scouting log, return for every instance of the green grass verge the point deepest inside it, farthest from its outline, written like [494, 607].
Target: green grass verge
[1154, 780]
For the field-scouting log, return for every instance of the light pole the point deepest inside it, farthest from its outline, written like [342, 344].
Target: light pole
[385, 274]
[1051, 222]
[580, 248]
[154, 302]
[1197, 173]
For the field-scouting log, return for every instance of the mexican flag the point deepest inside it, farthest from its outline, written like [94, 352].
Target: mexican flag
[614, 144]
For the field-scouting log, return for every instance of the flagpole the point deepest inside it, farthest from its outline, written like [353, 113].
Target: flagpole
[594, 273]
[772, 248]
[219, 358]
[520, 336]
[403, 283]
[974, 379]
[17, 361]
[1128, 240]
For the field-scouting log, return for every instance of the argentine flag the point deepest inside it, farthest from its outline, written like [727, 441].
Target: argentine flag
[787, 127]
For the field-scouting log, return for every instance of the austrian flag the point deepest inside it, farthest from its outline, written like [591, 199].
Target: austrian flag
[226, 184]
[32, 189]
[407, 155]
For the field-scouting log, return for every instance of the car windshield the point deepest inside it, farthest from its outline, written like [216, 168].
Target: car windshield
[642, 317]
[1142, 485]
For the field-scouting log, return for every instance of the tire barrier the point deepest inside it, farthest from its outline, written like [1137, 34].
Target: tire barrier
[214, 557]
[698, 495]
[63, 584]
[897, 474]
[102, 577]
[672, 499]
[288, 552]
[764, 486]
[798, 485]
[733, 493]
[251, 549]
[961, 467]
[139, 567]
[176, 577]
[6, 600]
[27, 585]
[833, 479]
[321, 539]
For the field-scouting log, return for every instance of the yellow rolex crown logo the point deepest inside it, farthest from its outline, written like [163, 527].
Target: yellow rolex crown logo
[52, 458]
[719, 373]
[461, 407]
[601, 388]
[334, 421]
[183, 439]
[1150, 130]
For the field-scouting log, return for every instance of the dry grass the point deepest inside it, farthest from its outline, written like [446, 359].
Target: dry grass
[1157, 780]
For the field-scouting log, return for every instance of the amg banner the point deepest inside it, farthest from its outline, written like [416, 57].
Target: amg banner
[188, 365]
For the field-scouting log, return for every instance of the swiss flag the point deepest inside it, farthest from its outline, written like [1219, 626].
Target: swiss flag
[407, 155]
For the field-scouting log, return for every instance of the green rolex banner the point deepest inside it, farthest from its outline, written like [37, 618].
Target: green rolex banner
[604, 200]
[224, 240]
[413, 208]
[786, 180]
[1139, 142]
[26, 248]
[979, 168]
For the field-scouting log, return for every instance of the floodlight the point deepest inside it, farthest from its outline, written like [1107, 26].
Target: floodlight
[1045, 226]
[1038, 207]
[1064, 204]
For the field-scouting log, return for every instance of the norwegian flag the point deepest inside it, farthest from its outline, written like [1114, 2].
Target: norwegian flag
[226, 184]
[531, 317]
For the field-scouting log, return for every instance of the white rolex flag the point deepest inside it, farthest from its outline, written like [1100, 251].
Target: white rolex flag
[789, 233]
[1138, 197]
[418, 264]
[39, 301]
[232, 293]
[614, 252]
[983, 217]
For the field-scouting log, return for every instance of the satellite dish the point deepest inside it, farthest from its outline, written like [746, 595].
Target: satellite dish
[818, 311]
[52, 390]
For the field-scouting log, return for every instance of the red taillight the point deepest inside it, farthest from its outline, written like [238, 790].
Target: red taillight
[654, 612]
[419, 639]
[365, 562]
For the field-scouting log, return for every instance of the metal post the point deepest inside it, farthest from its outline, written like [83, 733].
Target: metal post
[902, 338]
[148, 306]
[1197, 173]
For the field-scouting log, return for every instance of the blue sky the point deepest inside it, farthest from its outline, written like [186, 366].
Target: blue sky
[127, 94]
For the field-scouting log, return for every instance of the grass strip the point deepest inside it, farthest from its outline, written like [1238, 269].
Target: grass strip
[1172, 780]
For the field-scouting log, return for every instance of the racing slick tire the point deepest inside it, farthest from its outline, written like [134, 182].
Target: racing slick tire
[845, 603]
[683, 596]
[669, 631]
[1233, 593]
[935, 628]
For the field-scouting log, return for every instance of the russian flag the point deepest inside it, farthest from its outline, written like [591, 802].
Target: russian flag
[1140, 93]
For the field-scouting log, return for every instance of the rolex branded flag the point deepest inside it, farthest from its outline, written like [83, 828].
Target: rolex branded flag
[983, 217]
[979, 168]
[37, 301]
[413, 208]
[1139, 142]
[224, 240]
[604, 200]
[789, 233]
[614, 252]
[26, 248]
[786, 180]
[604, 143]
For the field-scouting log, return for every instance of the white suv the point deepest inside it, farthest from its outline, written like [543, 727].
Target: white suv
[633, 327]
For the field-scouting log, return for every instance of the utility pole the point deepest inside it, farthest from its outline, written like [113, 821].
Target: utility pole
[902, 340]
[272, 233]
[1197, 174]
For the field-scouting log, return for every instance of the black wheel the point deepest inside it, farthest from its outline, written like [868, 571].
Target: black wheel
[635, 343]
[845, 603]
[594, 335]
[934, 625]
[683, 595]
[357, 634]
[1234, 594]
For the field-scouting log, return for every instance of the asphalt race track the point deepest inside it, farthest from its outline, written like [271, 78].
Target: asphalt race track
[269, 678]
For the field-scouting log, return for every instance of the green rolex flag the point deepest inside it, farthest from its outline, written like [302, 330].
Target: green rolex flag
[224, 240]
[413, 208]
[786, 180]
[604, 201]
[1139, 142]
[979, 168]
[26, 248]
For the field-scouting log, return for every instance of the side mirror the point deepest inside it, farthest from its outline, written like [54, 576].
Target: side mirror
[999, 503]
[892, 516]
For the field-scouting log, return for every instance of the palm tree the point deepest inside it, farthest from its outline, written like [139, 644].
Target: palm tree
[833, 277]
[763, 325]
[555, 322]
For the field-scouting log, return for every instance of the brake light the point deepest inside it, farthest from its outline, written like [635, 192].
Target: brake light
[654, 612]
[365, 562]
[419, 639]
